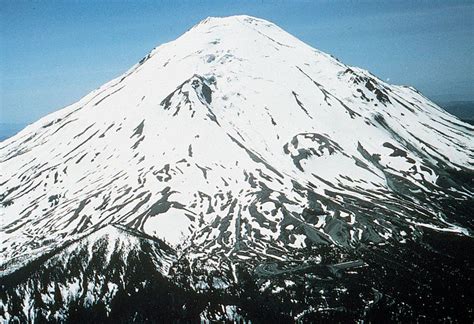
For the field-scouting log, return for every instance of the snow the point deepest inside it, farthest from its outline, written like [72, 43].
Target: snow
[171, 227]
[106, 169]
[299, 241]
[452, 228]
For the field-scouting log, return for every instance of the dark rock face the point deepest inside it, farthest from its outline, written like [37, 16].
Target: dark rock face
[428, 280]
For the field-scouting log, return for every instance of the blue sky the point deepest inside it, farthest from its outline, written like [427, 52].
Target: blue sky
[54, 52]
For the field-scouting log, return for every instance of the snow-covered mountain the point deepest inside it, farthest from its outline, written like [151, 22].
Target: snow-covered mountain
[240, 155]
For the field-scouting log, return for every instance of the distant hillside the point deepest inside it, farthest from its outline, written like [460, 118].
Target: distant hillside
[462, 109]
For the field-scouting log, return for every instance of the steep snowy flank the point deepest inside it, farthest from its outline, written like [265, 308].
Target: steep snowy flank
[214, 128]
[238, 142]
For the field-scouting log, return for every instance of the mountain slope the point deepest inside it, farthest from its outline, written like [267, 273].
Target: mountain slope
[237, 144]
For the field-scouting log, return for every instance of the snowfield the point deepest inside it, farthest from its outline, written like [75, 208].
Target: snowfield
[236, 142]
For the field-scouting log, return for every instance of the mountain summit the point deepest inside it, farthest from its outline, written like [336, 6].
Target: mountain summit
[241, 167]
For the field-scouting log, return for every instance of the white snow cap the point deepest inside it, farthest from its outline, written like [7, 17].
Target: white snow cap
[220, 140]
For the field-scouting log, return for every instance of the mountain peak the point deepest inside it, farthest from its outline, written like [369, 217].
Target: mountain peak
[239, 26]
[240, 147]
[234, 18]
